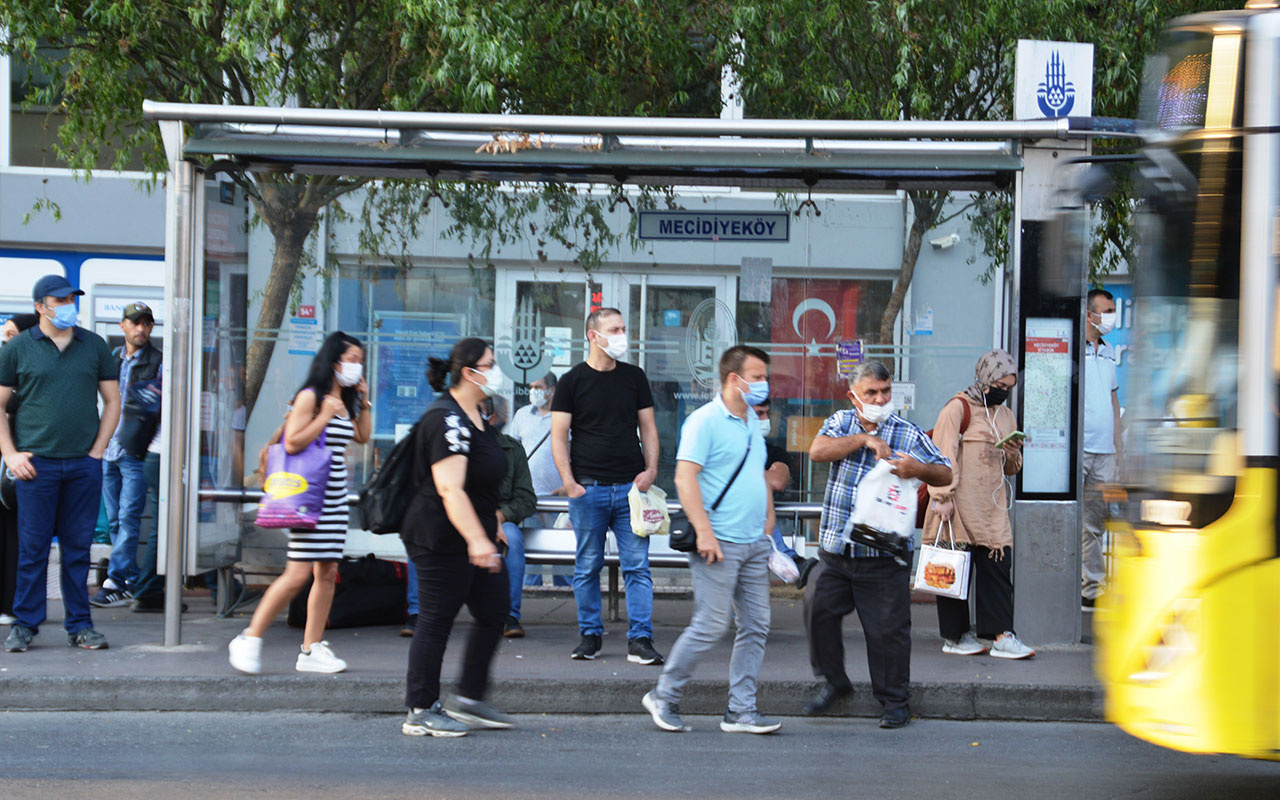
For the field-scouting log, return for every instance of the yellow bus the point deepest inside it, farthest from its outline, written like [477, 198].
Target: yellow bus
[1188, 629]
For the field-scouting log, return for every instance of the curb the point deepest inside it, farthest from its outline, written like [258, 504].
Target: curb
[355, 694]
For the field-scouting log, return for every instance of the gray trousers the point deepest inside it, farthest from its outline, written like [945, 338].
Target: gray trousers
[735, 588]
[1099, 468]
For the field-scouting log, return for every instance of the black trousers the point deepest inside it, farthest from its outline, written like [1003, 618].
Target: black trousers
[445, 583]
[992, 591]
[879, 590]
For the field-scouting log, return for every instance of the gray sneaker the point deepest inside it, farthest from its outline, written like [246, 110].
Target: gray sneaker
[19, 639]
[748, 722]
[88, 639]
[665, 715]
[432, 722]
[477, 713]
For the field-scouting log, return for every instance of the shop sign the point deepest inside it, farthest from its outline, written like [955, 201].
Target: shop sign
[716, 226]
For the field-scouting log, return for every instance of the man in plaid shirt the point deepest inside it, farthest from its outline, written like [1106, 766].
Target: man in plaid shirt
[856, 577]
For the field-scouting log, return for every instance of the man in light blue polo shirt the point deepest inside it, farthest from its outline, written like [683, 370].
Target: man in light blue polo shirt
[1102, 455]
[720, 480]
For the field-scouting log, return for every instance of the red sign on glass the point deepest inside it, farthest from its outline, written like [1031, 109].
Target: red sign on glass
[307, 312]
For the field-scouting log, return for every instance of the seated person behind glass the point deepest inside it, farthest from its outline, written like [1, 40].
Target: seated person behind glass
[777, 476]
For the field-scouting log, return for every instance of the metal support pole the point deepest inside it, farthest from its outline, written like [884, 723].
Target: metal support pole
[180, 257]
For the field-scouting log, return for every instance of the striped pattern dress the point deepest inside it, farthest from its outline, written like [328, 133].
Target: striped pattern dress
[326, 542]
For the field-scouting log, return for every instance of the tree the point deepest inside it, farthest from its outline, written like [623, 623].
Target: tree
[107, 56]
[922, 59]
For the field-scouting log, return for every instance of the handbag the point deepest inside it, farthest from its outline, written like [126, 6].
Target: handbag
[295, 486]
[943, 571]
[684, 538]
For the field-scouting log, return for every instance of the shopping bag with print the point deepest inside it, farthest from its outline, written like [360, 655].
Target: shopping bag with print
[649, 515]
[782, 565]
[293, 494]
[942, 569]
[884, 513]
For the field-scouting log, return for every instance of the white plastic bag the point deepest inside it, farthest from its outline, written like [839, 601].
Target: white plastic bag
[942, 569]
[884, 512]
[782, 565]
[649, 515]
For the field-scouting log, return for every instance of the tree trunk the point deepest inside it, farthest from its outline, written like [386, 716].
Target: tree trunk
[924, 213]
[290, 239]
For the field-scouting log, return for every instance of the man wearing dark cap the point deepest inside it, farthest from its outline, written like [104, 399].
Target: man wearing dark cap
[124, 488]
[57, 370]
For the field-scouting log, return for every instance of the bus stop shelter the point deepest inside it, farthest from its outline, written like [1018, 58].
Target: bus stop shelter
[1023, 158]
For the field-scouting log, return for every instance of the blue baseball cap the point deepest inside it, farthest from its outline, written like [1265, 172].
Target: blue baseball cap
[53, 286]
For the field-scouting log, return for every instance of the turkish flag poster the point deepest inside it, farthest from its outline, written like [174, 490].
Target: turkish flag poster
[807, 320]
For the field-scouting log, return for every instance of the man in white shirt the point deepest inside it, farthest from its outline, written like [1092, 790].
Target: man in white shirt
[531, 426]
[1102, 450]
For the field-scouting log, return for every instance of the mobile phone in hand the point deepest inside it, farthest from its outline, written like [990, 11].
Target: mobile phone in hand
[1016, 436]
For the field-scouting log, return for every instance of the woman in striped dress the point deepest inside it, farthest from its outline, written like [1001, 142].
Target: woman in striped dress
[334, 402]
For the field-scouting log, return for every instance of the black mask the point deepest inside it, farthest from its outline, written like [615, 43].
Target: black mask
[997, 395]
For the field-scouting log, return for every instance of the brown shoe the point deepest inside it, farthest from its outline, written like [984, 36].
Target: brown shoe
[409, 625]
[512, 629]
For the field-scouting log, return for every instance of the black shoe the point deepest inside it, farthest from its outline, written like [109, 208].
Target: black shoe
[1087, 603]
[895, 717]
[806, 566]
[587, 649]
[640, 651]
[409, 625]
[825, 699]
[512, 629]
[151, 606]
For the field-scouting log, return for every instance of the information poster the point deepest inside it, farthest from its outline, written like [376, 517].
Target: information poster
[402, 343]
[904, 395]
[1047, 413]
[848, 356]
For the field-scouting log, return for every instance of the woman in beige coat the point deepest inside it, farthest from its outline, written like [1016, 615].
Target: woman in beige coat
[976, 506]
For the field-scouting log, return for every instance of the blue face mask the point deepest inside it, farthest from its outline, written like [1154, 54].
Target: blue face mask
[757, 392]
[65, 317]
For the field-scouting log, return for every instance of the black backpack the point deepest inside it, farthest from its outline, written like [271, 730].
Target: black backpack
[385, 497]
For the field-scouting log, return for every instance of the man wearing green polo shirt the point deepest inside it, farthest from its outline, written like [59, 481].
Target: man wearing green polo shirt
[57, 370]
[720, 478]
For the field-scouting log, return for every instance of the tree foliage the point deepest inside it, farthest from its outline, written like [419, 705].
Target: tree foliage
[588, 57]
[921, 59]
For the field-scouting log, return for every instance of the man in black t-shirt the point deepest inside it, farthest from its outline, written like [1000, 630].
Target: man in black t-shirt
[602, 402]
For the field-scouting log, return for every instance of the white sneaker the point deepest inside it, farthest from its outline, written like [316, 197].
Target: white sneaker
[320, 659]
[245, 653]
[967, 646]
[1007, 645]
[7, 619]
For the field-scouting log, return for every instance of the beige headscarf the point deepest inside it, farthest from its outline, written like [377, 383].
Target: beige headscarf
[991, 367]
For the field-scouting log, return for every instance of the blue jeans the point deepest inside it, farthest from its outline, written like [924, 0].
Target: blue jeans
[411, 589]
[602, 508]
[124, 490]
[782, 544]
[62, 500]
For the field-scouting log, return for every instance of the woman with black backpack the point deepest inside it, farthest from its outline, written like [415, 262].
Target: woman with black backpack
[333, 402]
[450, 532]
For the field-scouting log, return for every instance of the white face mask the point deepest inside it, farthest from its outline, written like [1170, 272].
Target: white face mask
[493, 380]
[616, 347]
[538, 397]
[766, 426]
[874, 414]
[1108, 323]
[348, 374]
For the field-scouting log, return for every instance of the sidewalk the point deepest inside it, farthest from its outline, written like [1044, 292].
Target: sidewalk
[531, 675]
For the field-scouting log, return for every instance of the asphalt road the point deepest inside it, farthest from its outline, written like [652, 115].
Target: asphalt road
[163, 755]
